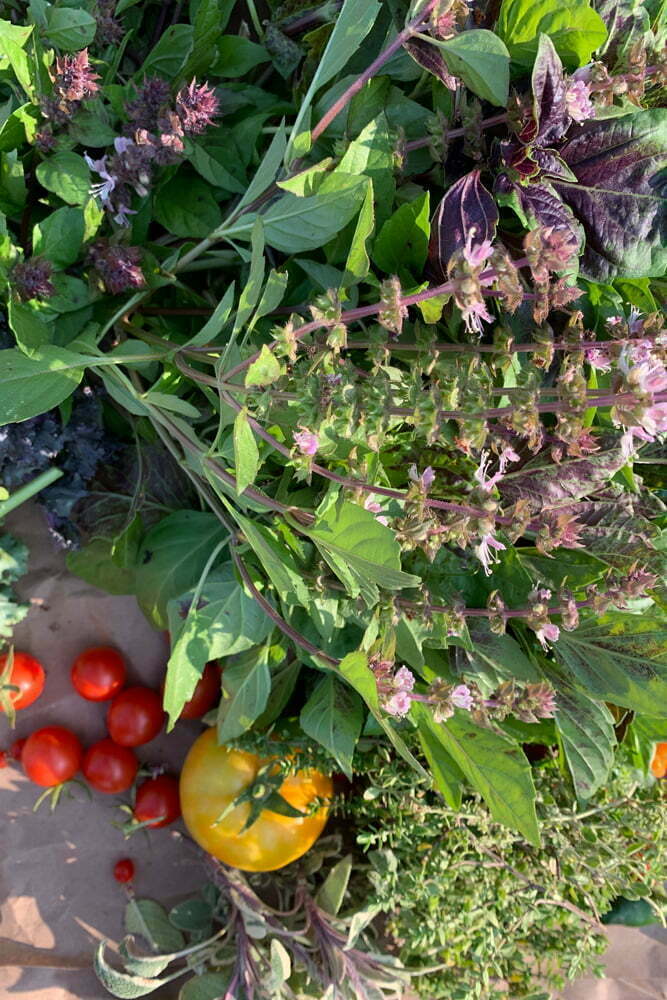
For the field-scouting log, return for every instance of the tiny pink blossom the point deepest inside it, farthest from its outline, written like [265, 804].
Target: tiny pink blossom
[635, 321]
[375, 508]
[547, 633]
[404, 679]
[578, 101]
[477, 255]
[598, 358]
[462, 697]
[484, 553]
[480, 474]
[473, 314]
[425, 480]
[398, 704]
[306, 441]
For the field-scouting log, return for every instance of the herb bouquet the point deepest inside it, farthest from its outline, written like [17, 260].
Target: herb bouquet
[369, 296]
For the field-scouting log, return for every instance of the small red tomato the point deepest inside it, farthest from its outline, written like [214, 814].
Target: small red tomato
[205, 694]
[123, 870]
[27, 674]
[51, 755]
[16, 749]
[135, 716]
[158, 800]
[109, 767]
[99, 673]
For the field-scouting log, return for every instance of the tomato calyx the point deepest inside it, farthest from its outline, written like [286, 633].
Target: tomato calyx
[9, 693]
[264, 793]
[54, 794]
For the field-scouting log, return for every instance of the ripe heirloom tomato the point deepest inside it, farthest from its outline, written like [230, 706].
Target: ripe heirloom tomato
[109, 767]
[213, 776]
[659, 762]
[135, 716]
[205, 694]
[51, 756]
[99, 673]
[158, 799]
[28, 675]
[123, 870]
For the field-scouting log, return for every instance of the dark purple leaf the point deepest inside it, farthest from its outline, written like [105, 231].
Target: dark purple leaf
[619, 196]
[549, 94]
[519, 159]
[550, 163]
[551, 486]
[466, 205]
[430, 58]
[540, 202]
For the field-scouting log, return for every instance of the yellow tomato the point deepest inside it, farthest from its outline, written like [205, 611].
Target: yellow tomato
[213, 776]
[659, 762]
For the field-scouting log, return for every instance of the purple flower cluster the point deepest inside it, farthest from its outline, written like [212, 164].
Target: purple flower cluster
[156, 132]
[31, 279]
[73, 81]
[117, 266]
[394, 689]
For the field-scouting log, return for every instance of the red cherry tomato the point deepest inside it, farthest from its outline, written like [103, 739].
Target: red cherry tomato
[109, 767]
[205, 694]
[135, 716]
[158, 800]
[99, 673]
[16, 749]
[28, 675]
[51, 755]
[123, 870]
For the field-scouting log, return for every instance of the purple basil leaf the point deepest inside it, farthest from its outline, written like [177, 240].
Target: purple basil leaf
[541, 202]
[551, 163]
[556, 487]
[467, 204]
[549, 94]
[429, 57]
[620, 166]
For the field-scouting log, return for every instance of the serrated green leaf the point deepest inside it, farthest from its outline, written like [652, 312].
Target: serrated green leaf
[573, 26]
[334, 716]
[246, 686]
[620, 658]
[246, 452]
[171, 559]
[402, 243]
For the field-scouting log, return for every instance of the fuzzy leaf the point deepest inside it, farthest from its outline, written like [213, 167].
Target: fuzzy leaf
[466, 206]
[208, 986]
[619, 195]
[149, 919]
[620, 658]
[122, 984]
[447, 775]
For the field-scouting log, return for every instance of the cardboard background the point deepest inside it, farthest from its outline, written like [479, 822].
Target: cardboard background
[58, 894]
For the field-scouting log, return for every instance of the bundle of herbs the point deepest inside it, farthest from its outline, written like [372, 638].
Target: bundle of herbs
[373, 293]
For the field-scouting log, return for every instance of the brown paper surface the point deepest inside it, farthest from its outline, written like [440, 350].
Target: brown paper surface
[58, 895]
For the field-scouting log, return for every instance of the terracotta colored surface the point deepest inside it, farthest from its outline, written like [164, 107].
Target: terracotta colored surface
[58, 895]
